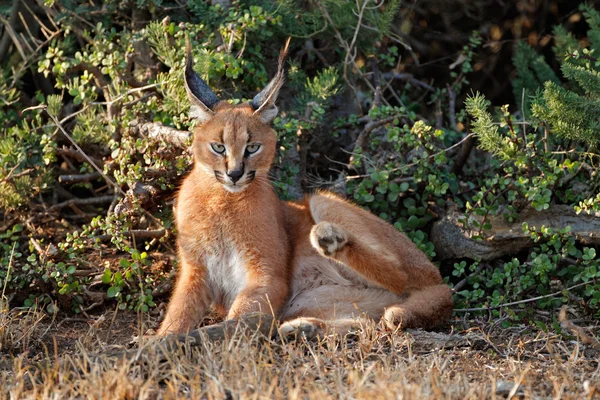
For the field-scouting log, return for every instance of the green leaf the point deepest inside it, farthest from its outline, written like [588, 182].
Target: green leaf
[112, 291]
[106, 277]
[413, 222]
[368, 198]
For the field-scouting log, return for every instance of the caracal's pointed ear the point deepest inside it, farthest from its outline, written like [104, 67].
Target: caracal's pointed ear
[264, 102]
[202, 99]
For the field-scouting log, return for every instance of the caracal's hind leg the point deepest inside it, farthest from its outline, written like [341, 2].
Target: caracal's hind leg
[335, 309]
[424, 308]
[384, 256]
[333, 241]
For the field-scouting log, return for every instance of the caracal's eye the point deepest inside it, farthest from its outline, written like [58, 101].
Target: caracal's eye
[252, 148]
[218, 148]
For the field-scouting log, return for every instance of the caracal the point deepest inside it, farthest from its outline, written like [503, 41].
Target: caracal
[318, 264]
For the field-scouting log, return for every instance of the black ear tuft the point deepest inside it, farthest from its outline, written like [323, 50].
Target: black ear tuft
[264, 102]
[202, 99]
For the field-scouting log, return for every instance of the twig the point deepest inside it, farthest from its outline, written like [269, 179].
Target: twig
[7, 277]
[87, 158]
[463, 155]
[547, 147]
[8, 26]
[131, 91]
[351, 59]
[17, 175]
[514, 303]
[70, 179]
[80, 202]
[137, 233]
[5, 40]
[364, 134]
[463, 282]
[303, 141]
[452, 108]
[404, 76]
[76, 155]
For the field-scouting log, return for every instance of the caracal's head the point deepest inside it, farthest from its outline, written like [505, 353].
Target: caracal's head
[234, 144]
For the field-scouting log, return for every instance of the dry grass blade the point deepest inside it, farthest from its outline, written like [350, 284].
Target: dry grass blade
[371, 364]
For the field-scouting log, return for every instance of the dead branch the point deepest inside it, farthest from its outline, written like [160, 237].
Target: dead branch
[95, 166]
[452, 241]
[71, 179]
[404, 76]
[6, 38]
[83, 202]
[452, 108]
[364, 134]
[464, 281]
[351, 52]
[137, 234]
[85, 156]
[72, 153]
[463, 155]
[303, 136]
[10, 32]
[157, 131]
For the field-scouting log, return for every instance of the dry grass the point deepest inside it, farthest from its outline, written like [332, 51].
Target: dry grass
[373, 363]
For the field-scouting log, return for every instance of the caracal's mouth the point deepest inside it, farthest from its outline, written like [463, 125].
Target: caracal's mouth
[236, 187]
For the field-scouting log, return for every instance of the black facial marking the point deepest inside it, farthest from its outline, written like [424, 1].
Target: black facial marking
[219, 176]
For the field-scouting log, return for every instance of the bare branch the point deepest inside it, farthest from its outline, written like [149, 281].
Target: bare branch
[137, 234]
[403, 76]
[71, 179]
[364, 134]
[83, 202]
[157, 131]
[66, 152]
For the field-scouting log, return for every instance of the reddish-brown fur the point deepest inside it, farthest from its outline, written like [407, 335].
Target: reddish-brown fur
[321, 263]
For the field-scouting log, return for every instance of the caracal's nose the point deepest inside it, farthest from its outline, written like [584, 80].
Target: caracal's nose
[235, 175]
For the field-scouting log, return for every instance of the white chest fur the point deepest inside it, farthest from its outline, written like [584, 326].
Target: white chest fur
[226, 272]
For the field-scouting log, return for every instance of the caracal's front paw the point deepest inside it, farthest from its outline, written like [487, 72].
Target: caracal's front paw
[298, 328]
[328, 238]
